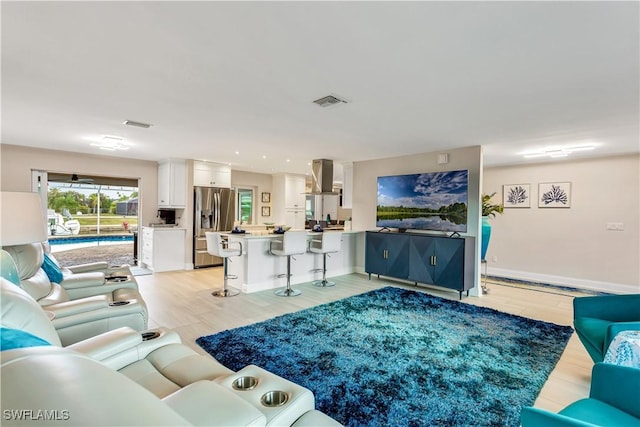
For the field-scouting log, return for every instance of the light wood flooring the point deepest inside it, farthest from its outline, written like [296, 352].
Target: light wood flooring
[182, 301]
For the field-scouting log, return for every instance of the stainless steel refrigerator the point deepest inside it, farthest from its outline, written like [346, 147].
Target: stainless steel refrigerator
[214, 210]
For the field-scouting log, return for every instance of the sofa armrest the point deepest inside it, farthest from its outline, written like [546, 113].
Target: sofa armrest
[106, 345]
[123, 346]
[618, 386]
[91, 266]
[82, 280]
[535, 417]
[70, 308]
[615, 308]
[205, 403]
[615, 328]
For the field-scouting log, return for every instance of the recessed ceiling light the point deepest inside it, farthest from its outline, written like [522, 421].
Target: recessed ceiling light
[237, 152]
[136, 124]
[264, 156]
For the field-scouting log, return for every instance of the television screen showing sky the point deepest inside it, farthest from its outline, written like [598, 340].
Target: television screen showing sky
[426, 190]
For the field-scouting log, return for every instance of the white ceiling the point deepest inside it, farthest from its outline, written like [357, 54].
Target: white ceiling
[219, 77]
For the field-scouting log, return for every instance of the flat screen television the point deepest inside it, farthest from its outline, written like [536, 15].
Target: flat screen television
[424, 201]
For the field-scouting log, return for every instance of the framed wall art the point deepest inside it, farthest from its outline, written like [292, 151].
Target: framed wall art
[266, 197]
[554, 195]
[266, 211]
[516, 195]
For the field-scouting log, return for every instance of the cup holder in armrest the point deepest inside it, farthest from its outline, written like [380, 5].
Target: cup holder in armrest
[116, 279]
[274, 398]
[244, 383]
[150, 335]
[118, 303]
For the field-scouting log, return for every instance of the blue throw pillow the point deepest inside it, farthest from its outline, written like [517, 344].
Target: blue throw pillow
[15, 338]
[51, 268]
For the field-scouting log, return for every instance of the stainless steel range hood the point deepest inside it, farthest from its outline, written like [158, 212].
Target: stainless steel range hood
[322, 177]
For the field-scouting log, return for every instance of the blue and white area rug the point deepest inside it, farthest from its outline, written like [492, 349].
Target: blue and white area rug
[395, 357]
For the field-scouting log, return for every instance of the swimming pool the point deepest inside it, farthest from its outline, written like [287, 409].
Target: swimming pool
[90, 239]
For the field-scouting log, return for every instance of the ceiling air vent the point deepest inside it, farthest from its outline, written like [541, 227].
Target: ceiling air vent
[329, 100]
[137, 124]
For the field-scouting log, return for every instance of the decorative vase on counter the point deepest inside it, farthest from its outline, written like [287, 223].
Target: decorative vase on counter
[486, 235]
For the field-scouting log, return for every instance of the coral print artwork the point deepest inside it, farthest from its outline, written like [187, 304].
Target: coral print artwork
[554, 195]
[516, 196]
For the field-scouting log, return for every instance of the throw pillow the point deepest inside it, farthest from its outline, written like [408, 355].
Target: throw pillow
[51, 268]
[15, 338]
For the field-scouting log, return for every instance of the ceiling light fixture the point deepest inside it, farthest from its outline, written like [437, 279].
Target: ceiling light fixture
[136, 124]
[558, 152]
[111, 143]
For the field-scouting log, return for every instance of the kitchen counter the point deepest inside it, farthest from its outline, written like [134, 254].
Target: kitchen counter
[257, 269]
[270, 234]
[163, 248]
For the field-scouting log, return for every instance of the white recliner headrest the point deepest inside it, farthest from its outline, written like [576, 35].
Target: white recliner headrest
[28, 258]
[76, 391]
[19, 311]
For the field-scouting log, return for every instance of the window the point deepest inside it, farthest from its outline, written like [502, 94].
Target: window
[245, 206]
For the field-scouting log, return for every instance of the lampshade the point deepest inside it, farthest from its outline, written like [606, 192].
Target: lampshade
[22, 219]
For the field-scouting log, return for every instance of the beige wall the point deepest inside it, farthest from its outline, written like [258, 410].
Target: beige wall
[260, 183]
[17, 163]
[571, 246]
[365, 175]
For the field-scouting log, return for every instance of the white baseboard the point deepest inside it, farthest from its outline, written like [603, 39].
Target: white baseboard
[570, 282]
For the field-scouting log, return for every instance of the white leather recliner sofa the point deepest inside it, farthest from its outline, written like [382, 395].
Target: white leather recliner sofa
[127, 378]
[86, 305]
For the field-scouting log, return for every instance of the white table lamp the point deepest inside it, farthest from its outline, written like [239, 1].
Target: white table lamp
[23, 220]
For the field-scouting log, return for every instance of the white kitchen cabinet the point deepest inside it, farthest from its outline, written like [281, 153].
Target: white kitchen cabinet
[289, 200]
[172, 183]
[347, 186]
[163, 248]
[206, 174]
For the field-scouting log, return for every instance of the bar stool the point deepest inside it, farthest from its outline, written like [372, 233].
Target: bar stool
[218, 247]
[292, 243]
[329, 243]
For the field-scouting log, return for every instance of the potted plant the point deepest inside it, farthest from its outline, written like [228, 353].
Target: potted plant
[489, 210]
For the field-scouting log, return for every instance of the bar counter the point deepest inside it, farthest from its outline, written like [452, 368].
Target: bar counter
[258, 270]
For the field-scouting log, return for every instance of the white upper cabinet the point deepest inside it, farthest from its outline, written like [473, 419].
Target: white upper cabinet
[294, 192]
[207, 174]
[289, 200]
[172, 183]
